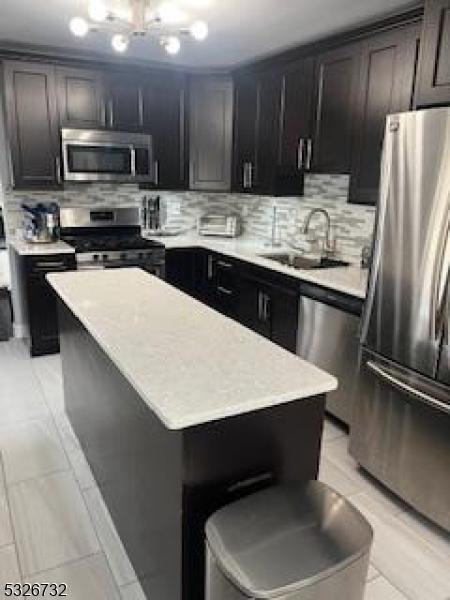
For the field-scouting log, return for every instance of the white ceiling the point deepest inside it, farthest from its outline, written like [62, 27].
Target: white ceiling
[240, 30]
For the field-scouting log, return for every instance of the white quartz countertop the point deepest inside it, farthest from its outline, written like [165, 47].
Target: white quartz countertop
[190, 364]
[25, 248]
[350, 280]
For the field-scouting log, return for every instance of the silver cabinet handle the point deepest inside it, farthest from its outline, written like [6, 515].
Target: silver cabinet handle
[300, 151]
[246, 176]
[260, 305]
[402, 385]
[266, 307]
[225, 291]
[111, 113]
[210, 267]
[225, 265]
[156, 171]
[309, 146]
[58, 169]
[250, 174]
[133, 160]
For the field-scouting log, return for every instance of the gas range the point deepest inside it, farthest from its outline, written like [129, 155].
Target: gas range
[110, 238]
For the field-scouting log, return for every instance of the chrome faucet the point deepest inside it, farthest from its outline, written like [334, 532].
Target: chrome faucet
[329, 246]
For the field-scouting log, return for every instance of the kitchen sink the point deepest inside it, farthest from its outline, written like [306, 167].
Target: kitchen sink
[297, 261]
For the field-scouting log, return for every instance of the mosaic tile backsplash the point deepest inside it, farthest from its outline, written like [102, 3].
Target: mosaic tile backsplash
[352, 225]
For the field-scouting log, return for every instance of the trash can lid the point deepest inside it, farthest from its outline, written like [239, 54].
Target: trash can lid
[282, 539]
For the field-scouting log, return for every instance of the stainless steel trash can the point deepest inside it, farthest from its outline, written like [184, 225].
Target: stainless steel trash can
[293, 542]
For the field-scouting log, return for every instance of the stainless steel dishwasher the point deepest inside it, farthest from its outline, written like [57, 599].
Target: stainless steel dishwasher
[328, 336]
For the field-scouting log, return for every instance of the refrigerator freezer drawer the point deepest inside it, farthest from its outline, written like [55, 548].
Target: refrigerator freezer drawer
[402, 440]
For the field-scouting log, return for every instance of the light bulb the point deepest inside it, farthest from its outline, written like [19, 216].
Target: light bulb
[97, 10]
[199, 30]
[79, 27]
[170, 13]
[172, 45]
[119, 42]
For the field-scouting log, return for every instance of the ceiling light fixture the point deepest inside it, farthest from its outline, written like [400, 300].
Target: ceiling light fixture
[172, 45]
[97, 11]
[119, 42]
[166, 21]
[79, 27]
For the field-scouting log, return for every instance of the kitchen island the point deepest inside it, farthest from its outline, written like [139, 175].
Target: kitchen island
[179, 410]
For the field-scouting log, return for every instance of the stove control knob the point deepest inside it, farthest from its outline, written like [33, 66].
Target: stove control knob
[105, 257]
[96, 257]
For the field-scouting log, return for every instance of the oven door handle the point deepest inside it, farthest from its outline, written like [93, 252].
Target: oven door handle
[389, 378]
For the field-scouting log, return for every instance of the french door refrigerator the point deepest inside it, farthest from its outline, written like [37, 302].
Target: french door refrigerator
[401, 427]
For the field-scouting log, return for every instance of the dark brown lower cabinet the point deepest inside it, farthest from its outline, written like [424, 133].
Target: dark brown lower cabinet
[257, 298]
[181, 268]
[39, 300]
[270, 309]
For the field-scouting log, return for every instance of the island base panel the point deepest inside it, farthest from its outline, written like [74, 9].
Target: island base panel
[161, 485]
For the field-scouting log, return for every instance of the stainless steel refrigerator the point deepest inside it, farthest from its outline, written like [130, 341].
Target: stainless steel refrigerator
[401, 427]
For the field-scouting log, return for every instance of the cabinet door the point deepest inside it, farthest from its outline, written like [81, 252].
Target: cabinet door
[267, 132]
[211, 132]
[81, 98]
[125, 106]
[296, 106]
[252, 303]
[336, 91]
[181, 269]
[44, 332]
[164, 118]
[434, 74]
[246, 118]
[387, 77]
[283, 314]
[30, 93]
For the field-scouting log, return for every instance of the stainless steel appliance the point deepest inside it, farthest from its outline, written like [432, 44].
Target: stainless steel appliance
[41, 223]
[328, 336]
[401, 424]
[91, 155]
[220, 225]
[107, 238]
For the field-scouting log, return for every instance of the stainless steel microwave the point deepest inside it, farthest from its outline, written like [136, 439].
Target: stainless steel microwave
[95, 155]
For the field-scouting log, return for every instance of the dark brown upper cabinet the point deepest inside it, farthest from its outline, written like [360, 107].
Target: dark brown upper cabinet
[164, 117]
[386, 85]
[81, 98]
[434, 73]
[246, 108]
[257, 120]
[267, 131]
[295, 118]
[337, 74]
[211, 132]
[125, 110]
[33, 125]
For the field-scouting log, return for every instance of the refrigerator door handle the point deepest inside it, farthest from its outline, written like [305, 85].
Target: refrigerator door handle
[402, 385]
[440, 299]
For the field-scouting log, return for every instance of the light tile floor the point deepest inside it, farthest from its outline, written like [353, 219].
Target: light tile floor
[54, 525]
